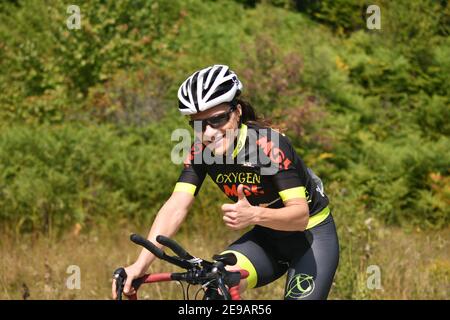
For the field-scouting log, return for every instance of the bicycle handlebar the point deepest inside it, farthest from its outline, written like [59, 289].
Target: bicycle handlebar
[199, 271]
[159, 252]
[147, 245]
[174, 246]
[228, 259]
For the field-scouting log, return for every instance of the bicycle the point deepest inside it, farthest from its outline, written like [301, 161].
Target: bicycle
[216, 282]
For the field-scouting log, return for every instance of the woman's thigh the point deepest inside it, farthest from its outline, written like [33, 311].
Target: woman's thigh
[256, 256]
[311, 273]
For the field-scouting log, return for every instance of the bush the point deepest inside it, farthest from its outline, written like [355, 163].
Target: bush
[54, 177]
[394, 180]
[41, 56]
[342, 15]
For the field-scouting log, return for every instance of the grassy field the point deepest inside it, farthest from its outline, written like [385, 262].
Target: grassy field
[414, 265]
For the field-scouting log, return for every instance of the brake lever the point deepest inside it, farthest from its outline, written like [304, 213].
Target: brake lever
[182, 253]
[120, 276]
[232, 278]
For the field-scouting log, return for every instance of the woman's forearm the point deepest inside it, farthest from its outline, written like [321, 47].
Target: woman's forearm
[167, 222]
[290, 218]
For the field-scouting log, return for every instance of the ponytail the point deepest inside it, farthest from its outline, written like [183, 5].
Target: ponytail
[249, 115]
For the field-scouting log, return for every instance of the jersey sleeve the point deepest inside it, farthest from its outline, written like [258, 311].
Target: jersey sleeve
[290, 178]
[193, 173]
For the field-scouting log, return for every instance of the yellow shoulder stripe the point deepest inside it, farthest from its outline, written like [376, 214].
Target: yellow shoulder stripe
[297, 192]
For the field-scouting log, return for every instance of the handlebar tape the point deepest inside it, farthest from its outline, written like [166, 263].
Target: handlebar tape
[174, 246]
[147, 245]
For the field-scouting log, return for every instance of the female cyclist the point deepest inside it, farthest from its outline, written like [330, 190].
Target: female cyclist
[270, 186]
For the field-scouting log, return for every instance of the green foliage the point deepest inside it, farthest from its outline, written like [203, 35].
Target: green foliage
[41, 56]
[54, 177]
[341, 15]
[394, 178]
[129, 98]
[287, 4]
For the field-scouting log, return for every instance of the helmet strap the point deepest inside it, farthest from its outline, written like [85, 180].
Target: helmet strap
[234, 104]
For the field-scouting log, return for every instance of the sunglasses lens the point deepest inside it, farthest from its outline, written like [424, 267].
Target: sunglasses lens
[215, 122]
[219, 120]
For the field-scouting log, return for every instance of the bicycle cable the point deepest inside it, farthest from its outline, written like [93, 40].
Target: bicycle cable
[182, 289]
[200, 289]
[187, 291]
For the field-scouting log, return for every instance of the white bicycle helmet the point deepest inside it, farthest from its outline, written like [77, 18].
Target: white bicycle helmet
[207, 88]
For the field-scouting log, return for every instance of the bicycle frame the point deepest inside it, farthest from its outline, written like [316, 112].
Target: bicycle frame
[168, 276]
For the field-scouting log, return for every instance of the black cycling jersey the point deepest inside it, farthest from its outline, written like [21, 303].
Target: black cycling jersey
[265, 162]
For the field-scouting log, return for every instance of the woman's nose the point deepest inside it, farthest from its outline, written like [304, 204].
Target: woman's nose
[209, 132]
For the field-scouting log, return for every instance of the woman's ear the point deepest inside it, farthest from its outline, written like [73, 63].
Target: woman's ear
[239, 108]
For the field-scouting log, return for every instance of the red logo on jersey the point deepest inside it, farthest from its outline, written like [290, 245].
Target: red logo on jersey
[248, 190]
[196, 148]
[274, 153]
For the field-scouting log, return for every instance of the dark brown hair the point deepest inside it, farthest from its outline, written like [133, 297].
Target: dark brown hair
[249, 115]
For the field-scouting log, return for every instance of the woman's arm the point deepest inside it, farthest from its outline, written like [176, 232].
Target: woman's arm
[293, 217]
[167, 222]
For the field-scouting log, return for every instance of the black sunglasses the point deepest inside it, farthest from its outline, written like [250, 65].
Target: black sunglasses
[216, 121]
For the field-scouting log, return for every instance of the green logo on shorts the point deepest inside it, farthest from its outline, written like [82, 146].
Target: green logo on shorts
[300, 286]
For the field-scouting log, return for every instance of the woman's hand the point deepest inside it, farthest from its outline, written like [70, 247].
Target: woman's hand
[133, 271]
[240, 214]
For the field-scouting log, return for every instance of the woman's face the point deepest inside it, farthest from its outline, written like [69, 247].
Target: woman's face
[218, 140]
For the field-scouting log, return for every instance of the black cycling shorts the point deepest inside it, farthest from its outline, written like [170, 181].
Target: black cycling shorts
[309, 258]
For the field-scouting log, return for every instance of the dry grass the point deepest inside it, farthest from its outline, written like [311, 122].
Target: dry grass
[413, 265]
